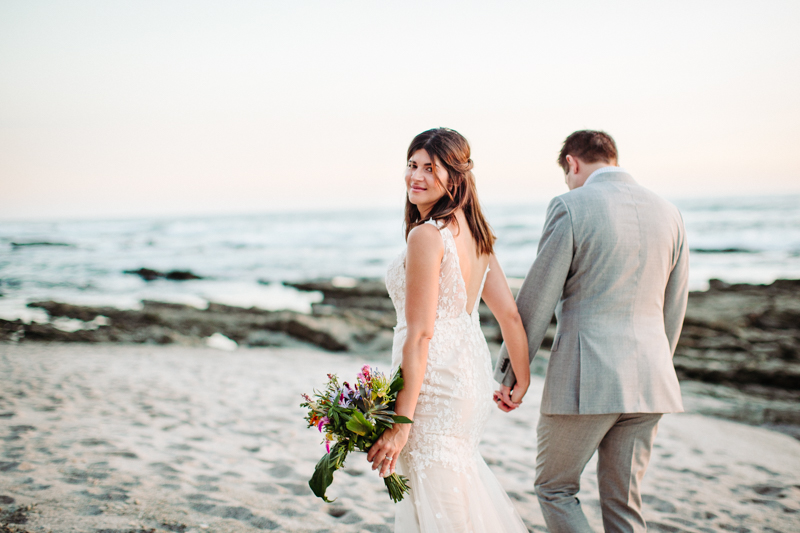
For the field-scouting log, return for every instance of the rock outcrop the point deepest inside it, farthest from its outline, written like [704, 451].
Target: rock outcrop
[166, 323]
[746, 336]
[148, 274]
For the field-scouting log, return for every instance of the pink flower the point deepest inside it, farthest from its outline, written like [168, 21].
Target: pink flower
[325, 420]
[328, 446]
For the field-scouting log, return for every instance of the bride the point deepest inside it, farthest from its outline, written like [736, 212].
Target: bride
[436, 285]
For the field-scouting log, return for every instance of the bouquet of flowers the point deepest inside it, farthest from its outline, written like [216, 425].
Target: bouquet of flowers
[353, 417]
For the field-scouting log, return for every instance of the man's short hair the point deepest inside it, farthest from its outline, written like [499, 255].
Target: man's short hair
[589, 146]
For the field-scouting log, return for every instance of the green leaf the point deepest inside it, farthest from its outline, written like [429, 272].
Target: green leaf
[397, 382]
[359, 425]
[323, 473]
[399, 419]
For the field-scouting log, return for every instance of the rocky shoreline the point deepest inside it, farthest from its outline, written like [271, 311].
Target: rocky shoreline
[740, 343]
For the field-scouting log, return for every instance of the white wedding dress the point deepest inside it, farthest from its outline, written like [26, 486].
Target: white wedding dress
[452, 488]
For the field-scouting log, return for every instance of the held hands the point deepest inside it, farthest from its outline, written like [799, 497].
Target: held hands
[384, 453]
[508, 399]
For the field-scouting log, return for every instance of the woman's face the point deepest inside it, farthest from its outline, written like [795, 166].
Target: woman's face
[423, 189]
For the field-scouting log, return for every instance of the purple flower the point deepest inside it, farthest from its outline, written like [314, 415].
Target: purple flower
[346, 394]
[325, 421]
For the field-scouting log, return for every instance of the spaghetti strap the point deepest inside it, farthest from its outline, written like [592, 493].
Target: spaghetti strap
[480, 291]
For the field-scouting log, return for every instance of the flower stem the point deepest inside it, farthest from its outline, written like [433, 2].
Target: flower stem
[397, 486]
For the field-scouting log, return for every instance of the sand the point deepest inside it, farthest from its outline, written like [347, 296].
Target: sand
[118, 438]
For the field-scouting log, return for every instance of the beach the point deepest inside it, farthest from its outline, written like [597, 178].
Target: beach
[739, 348]
[134, 438]
[151, 373]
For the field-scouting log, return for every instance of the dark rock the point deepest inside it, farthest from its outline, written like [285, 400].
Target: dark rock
[15, 515]
[11, 330]
[722, 251]
[78, 312]
[174, 526]
[21, 244]
[146, 273]
[181, 275]
[362, 288]
[776, 318]
[731, 372]
[324, 332]
[45, 332]
[268, 338]
[743, 335]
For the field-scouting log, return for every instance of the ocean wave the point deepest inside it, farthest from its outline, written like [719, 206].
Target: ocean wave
[739, 240]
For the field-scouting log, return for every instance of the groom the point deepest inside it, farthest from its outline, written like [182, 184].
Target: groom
[613, 264]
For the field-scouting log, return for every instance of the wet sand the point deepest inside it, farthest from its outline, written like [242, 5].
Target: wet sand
[120, 438]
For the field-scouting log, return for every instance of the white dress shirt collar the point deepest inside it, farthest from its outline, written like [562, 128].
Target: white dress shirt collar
[604, 170]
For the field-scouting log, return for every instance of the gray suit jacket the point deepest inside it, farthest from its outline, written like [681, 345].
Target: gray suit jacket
[613, 263]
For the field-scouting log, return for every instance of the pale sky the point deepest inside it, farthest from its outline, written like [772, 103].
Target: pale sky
[116, 109]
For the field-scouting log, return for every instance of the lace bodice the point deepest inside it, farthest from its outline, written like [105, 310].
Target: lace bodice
[446, 432]
[452, 290]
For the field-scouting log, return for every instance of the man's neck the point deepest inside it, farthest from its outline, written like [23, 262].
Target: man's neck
[586, 171]
[591, 167]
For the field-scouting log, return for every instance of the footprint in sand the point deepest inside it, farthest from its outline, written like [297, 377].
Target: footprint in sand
[242, 514]
[662, 506]
[281, 471]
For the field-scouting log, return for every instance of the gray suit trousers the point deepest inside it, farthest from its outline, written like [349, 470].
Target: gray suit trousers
[567, 442]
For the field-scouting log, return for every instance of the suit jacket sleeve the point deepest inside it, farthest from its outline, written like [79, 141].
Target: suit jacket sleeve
[542, 288]
[676, 294]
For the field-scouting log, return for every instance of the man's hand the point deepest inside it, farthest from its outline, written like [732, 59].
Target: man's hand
[502, 398]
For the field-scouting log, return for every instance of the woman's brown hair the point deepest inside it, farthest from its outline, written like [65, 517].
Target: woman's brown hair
[451, 149]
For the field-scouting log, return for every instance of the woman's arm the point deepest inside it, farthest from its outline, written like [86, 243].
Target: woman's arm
[423, 263]
[498, 297]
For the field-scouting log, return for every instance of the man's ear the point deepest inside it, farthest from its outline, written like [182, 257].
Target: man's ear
[574, 164]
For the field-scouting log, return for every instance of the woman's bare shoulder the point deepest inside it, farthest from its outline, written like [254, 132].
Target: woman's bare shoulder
[425, 238]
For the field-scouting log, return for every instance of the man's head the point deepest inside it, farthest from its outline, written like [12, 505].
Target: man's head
[584, 152]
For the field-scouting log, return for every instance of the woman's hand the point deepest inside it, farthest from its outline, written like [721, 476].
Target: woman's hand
[508, 399]
[520, 388]
[384, 453]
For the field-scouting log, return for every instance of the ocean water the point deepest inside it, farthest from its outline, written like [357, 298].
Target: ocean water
[244, 259]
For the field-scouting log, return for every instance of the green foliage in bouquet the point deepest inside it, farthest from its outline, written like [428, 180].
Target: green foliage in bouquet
[353, 417]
